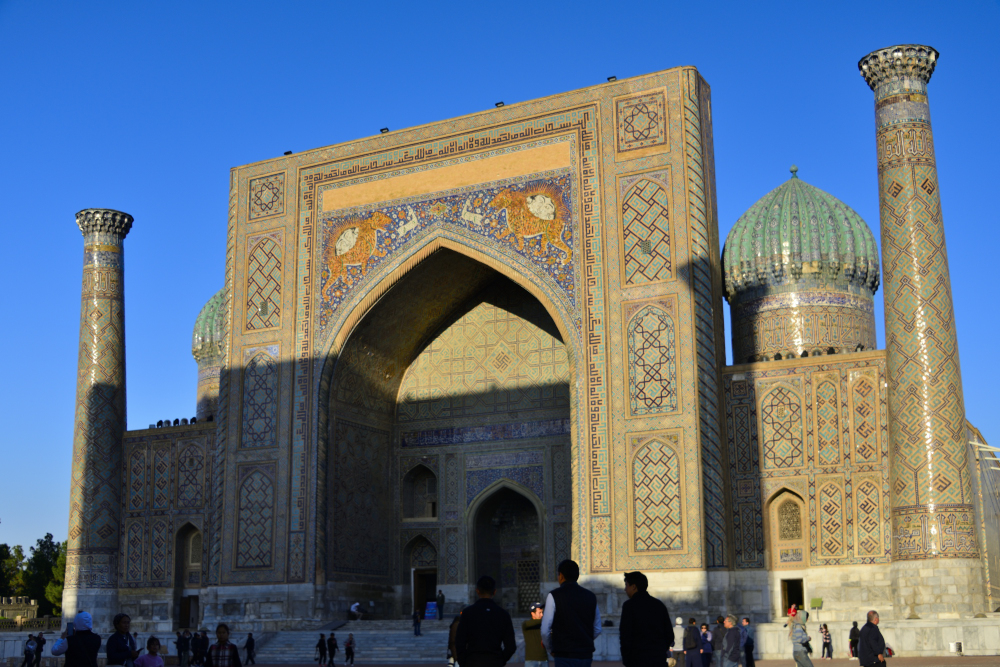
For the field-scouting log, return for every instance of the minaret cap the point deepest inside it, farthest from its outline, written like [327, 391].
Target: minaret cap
[905, 61]
[104, 221]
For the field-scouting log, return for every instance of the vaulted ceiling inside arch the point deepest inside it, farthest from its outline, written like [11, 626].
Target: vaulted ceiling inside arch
[425, 301]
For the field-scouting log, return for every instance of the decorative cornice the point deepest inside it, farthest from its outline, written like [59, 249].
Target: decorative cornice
[906, 61]
[104, 221]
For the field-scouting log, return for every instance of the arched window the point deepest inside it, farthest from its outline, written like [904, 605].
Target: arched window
[420, 494]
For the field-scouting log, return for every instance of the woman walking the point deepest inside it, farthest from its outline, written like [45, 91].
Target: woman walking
[797, 635]
[827, 643]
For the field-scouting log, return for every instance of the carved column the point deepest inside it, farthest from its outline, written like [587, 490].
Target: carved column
[95, 493]
[933, 533]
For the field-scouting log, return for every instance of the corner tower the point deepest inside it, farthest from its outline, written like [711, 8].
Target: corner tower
[932, 513]
[801, 268]
[95, 491]
[207, 348]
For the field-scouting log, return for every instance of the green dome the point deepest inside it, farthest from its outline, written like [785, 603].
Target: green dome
[799, 234]
[209, 337]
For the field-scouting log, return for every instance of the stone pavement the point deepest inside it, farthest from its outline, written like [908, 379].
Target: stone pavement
[966, 661]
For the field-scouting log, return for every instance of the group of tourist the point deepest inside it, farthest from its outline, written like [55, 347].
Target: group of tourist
[192, 649]
[330, 646]
[33, 650]
[730, 644]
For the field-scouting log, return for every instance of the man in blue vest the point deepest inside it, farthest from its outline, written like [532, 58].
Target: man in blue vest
[571, 620]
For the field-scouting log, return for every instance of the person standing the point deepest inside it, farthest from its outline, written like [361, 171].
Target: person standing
[39, 648]
[731, 642]
[535, 654]
[183, 646]
[321, 650]
[800, 640]
[152, 656]
[718, 634]
[677, 650]
[871, 645]
[706, 646]
[80, 646]
[692, 643]
[121, 648]
[452, 634]
[349, 649]
[440, 603]
[416, 622]
[251, 647]
[331, 648]
[853, 640]
[485, 634]
[572, 619]
[750, 644]
[222, 653]
[645, 632]
[824, 634]
[29, 651]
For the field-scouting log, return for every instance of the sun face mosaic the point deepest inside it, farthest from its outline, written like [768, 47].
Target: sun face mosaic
[531, 216]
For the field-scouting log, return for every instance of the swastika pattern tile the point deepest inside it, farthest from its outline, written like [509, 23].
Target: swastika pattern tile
[864, 418]
[831, 520]
[868, 502]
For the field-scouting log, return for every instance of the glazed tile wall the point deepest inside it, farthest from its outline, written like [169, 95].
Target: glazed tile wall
[165, 475]
[579, 261]
[818, 428]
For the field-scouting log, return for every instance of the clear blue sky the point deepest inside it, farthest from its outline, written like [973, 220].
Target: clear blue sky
[144, 107]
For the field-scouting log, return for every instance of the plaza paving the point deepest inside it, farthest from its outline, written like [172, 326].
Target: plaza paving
[964, 661]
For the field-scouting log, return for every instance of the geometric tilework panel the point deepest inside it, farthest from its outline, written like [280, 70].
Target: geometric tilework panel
[656, 487]
[423, 554]
[827, 424]
[263, 302]
[362, 509]
[864, 399]
[161, 478]
[652, 362]
[489, 362]
[191, 478]
[158, 556]
[255, 544]
[137, 480]
[641, 122]
[781, 423]
[831, 521]
[260, 401]
[869, 519]
[646, 228]
[134, 547]
[267, 196]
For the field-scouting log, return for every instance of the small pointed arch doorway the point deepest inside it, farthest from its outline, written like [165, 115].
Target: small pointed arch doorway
[506, 544]
[788, 544]
[419, 494]
[422, 558]
[188, 552]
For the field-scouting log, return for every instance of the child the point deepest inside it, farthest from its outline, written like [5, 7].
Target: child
[222, 653]
[152, 658]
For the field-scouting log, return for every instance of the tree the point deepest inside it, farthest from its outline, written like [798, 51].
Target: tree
[38, 572]
[11, 571]
[54, 589]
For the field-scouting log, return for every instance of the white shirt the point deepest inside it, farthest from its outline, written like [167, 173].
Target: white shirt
[550, 614]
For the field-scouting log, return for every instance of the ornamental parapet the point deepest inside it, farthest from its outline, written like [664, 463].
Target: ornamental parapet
[104, 221]
[906, 61]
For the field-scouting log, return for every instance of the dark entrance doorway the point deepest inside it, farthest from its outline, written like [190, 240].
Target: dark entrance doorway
[424, 588]
[791, 593]
[189, 611]
[508, 548]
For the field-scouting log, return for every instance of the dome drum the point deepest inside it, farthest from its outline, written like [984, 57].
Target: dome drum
[801, 269]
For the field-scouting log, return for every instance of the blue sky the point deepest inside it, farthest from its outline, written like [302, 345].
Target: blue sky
[145, 107]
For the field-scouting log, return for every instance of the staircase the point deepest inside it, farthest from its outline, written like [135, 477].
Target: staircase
[381, 642]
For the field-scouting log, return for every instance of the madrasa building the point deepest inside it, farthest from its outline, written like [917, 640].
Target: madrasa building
[491, 343]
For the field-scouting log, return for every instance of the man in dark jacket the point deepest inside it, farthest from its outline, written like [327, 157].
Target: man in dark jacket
[871, 646]
[571, 620]
[731, 643]
[485, 634]
[645, 630]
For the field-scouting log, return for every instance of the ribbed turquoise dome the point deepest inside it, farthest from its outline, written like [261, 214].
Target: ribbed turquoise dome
[209, 337]
[797, 233]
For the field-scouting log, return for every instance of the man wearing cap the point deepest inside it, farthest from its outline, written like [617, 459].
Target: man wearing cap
[645, 631]
[80, 647]
[535, 654]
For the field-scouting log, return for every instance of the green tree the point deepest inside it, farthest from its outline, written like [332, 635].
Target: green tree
[38, 572]
[54, 589]
[11, 571]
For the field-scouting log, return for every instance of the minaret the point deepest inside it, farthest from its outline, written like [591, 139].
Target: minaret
[95, 492]
[936, 564]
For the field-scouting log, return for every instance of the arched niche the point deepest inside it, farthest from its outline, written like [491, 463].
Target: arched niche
[419, 494]
[188, 561]
[788, 531]
[421, 559]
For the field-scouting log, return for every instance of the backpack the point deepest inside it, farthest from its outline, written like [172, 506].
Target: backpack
[691, 637]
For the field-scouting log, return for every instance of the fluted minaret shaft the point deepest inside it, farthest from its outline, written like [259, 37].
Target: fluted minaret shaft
[95, 492]
[932, 511]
